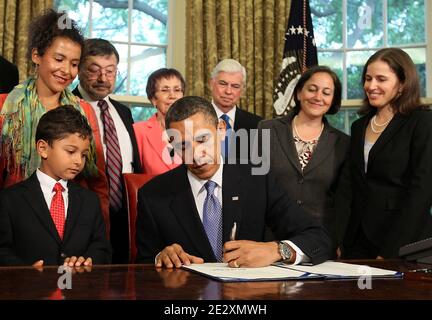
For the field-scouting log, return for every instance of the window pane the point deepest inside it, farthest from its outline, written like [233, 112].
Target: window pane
[406, 22]
[418, 55]
[144, 60]
[110, 23]
[344, 119]
[352, 116]
[364, 24]
[150, 21]
[142, 113]
[333, 60]
[78, 10]
[327, 17]
[338, 120]
[355, 62]
[122, 78]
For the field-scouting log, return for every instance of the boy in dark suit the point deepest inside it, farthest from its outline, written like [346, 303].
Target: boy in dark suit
[47, 219]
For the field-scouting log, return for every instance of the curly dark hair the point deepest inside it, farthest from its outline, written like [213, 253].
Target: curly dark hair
[46, 27]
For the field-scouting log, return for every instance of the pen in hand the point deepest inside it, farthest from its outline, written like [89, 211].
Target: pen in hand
[233, 232]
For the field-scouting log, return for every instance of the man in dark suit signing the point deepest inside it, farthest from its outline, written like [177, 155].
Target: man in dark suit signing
[227, 83]
[206, 210]
[97, 75]
[8, 76]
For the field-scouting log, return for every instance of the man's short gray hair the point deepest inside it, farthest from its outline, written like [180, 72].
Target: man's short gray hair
[229, 65]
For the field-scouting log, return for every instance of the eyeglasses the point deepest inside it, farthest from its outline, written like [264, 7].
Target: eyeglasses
[96, 72]
[168, 90]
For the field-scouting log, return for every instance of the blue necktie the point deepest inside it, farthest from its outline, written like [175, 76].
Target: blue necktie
[212, 219]
[225, 118]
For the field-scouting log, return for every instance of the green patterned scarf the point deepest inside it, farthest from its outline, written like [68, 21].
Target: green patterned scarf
[20, 116]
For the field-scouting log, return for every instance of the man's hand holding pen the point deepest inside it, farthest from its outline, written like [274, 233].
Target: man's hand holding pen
[246, 253]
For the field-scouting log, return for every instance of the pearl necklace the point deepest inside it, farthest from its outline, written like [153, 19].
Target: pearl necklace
[298, 136]
[374, 123]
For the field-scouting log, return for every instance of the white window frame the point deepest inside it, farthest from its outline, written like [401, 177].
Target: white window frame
[344, 50]
[175, 46]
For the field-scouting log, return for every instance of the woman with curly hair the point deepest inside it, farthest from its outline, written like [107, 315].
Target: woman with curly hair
[55, 44]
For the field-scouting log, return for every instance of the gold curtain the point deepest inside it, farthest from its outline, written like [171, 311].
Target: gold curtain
[250, 31]
[15, 16]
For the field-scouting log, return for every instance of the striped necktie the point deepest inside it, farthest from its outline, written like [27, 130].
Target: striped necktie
[226, 118]
[113, 157]
[212, 219]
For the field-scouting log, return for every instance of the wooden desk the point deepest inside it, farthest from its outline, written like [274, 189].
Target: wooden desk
[124, 282]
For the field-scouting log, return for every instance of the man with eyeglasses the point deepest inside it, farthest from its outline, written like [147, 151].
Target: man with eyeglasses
[228, 80]
[97, 75]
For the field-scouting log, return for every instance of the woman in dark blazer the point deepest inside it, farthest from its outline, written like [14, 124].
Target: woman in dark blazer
[309, 155]
[391, 160]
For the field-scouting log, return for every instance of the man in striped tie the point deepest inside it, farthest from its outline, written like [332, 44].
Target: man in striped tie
[98, 72]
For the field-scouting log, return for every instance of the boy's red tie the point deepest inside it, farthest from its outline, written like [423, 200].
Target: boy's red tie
[57, 209]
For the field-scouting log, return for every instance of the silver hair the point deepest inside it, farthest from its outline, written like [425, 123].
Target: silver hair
[229, 65]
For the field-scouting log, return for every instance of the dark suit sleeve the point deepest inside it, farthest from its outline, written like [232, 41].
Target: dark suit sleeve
[99, 248]
[416, 205]
[342, 200]
[148, 240]
[289, 222]
[8, 256]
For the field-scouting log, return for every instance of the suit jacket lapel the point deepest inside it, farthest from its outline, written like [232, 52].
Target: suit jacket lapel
[184, 209]
[128, 122]
[238, 123]
[284, 134]
[232, 197]
[325, 145]
[36, 201]
[392, 128]
[357, 144]
[74, 209]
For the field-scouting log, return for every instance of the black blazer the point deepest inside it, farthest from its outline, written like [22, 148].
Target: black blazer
[392, 200]
[9, 76]
[248, 121]
[322, 189]
[167, 214]
[126, 116]
[245, 120]
[28, 233]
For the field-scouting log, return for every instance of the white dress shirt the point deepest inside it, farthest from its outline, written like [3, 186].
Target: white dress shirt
[199, 191]
[230, 114]
[47, 184]
[122, 133]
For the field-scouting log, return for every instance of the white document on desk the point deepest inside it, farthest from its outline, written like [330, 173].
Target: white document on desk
[341, 270]
[222, 272]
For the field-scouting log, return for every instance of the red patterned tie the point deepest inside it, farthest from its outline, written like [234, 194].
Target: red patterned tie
[113, 157]
[57, 209]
